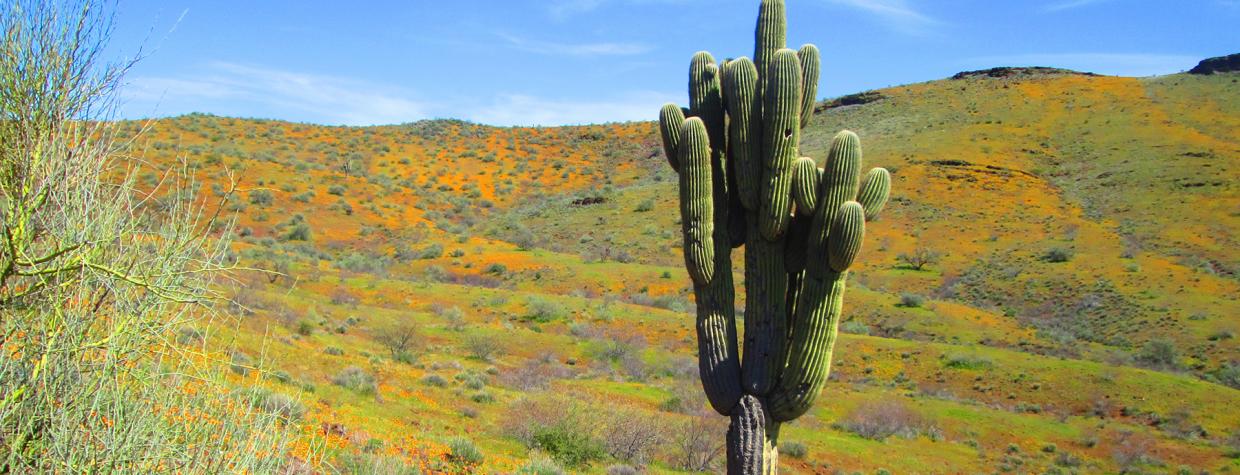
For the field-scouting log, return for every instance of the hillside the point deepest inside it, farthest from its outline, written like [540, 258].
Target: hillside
[1077, 312]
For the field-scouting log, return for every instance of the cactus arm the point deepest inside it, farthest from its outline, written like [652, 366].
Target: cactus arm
[708, 260]
[805, 180]
[781, 136]
[875, 188]
[839, 184]
[670, 119]
[817, 319]
[744, 127]
[769, 36]
[810, 65]
[697, 210]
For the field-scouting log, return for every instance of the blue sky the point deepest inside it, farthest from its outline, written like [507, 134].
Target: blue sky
[551, 62]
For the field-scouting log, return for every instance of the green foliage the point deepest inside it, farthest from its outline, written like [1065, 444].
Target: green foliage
[967, 361]
[99, 272]
[356, 379]
[543, 310]
[463, 451]
[262, 197]
[910, 300]
[796, 450]
[568, 446]
[540, 466]
[1057, 254]
[1159, 353]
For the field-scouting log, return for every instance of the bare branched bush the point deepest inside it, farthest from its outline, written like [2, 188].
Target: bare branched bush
[920, 258]
[98, 274]
[881, 419]
[633, 435]
[697, 446]
[401, 341]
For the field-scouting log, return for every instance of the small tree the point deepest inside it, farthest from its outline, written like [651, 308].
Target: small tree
[919, 258]
[401, 341]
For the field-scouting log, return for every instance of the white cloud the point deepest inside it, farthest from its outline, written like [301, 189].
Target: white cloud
[309, 97]
[521, 109]
[1116, 64]
[574, 49]
[898, 14]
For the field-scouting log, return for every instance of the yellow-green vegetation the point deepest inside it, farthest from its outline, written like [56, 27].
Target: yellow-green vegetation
[106, 284]
[443, 292]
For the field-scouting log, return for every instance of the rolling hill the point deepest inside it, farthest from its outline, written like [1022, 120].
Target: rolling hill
[1053, 288]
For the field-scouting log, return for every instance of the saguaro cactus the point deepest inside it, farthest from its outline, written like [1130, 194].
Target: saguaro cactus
[743, 182]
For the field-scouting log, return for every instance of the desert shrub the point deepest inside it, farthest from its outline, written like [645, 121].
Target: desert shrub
[402, 341]
[910, 300]
[568, 446]
[621, 470]
[881, 419]
[855, 327]
[967, 361]
[696, 445]
[482, 397]
[454, 318]
[334, 351]
[1132, 449]
[432, 251]
[794, 449]
[919, 258]
[374, 464]
[1229, 374]
[482, 347]
[240, 363]
[336, 189]
[305, 327]
[534, 374]
[434, 380]
[540, 466]
[356, 379]
[463, 451]
[558, 426]
[645, 206]
[284, 405]
[542, 310]
[1159, 354]
[98, 272]
[633, 435]
[262, 197]
[1057, 254]
[298, 232]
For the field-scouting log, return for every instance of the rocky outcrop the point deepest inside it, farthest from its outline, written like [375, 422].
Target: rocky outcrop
[1220, 64]
[1007, 71]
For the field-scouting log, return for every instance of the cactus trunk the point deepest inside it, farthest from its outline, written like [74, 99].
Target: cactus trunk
[743, 182]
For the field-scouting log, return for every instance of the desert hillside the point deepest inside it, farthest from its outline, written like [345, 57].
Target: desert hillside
[1053, 288]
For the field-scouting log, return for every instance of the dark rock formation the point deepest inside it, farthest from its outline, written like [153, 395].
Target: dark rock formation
[1220, 64]
[1008, 71]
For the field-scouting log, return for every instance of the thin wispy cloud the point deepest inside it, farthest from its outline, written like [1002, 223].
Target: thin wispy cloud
[574, 49]
[310, 97]
[1070, 4]
[522, 109]
[897, 14]
[1115, 64]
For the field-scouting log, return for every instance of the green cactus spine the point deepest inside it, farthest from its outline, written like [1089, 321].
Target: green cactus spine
[742, 183]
